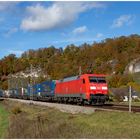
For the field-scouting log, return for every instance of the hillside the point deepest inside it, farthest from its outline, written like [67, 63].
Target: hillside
[110, 56]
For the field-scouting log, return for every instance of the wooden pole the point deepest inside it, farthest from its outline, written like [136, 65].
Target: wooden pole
[80, 70]
[31, 83]
[130, 98]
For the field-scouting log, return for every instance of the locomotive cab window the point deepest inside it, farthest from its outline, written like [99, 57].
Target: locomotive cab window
[101, 80]
[93, 80]
[97, 80]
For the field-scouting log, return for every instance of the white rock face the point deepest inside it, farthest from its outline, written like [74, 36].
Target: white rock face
[36, 72]
[130, 68]
[133, 66]
[137, 67]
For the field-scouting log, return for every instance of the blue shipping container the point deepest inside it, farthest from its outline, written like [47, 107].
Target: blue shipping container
[44, 89]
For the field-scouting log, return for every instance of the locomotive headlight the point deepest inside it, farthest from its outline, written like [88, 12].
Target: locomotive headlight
[104, 88]
[92, 87]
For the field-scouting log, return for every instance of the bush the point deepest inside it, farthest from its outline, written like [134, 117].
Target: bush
[136, 100]
[119, 80]
[111, 96]
[118, 98]
[16, 110]
[135, 86]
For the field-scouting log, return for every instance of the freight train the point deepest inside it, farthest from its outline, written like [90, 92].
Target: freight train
[82, 89]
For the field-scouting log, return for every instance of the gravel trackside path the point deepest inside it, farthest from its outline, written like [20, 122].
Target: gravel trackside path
[74, 109]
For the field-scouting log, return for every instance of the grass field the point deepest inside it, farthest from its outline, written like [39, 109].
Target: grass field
[3, 121]
[29, 121]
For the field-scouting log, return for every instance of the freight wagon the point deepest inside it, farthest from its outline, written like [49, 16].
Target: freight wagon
[24, 92]
[91, 88]
[13, 93]
[1, 93]
[21, 93]
[44, 90]
[41, 91]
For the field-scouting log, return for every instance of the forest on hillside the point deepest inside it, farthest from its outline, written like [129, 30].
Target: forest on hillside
[110, 56]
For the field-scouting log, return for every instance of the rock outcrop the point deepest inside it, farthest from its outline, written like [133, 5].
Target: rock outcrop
[133, 66]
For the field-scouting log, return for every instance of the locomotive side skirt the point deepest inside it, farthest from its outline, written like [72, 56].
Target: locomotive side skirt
[80, 95]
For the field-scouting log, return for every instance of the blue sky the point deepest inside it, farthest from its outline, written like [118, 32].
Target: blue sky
[33, 25]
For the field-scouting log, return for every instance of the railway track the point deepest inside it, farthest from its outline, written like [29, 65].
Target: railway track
[105, 107]
[120, 107]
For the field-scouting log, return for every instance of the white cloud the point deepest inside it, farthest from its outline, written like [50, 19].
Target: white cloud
[122, 20]
[10, 32]
[59, 14]
[80, 30]
[4, 5]
[99, 35]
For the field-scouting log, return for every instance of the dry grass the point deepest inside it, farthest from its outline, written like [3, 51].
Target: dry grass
[43, 122]
[41, 125]
[16, 110]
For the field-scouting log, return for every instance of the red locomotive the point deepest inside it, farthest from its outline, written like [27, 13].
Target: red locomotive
[91, 88]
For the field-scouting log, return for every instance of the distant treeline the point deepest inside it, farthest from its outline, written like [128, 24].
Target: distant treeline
[110, 56]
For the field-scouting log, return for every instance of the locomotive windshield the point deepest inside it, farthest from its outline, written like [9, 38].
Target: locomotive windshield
[97, 80]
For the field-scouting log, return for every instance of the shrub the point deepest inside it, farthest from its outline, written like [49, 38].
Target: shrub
[16, 110]
[111, 96]
[136, 100]
[119, 80]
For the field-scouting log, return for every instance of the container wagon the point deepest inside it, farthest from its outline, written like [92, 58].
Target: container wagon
[13, 93]
[44, 90]
[24, 92]
[1, 93]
